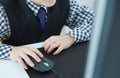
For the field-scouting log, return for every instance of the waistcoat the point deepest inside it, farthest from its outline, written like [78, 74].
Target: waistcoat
[25, 27]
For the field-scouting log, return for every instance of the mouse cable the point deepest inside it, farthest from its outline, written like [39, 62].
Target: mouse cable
[58, 74]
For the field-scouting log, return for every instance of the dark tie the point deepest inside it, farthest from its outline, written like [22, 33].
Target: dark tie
[41, 16]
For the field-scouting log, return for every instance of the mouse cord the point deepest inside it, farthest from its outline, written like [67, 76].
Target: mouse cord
[58, 74]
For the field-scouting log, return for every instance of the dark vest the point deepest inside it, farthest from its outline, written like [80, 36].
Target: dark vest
[26, 29]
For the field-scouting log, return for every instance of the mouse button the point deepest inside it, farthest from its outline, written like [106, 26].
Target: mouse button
[47, 62]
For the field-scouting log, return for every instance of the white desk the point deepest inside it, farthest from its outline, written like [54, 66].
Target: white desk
[11, 69]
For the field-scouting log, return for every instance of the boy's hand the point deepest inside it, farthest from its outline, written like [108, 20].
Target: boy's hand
[21, 53]
[60, 42]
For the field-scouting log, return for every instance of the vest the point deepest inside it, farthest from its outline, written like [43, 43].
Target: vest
[25, 27]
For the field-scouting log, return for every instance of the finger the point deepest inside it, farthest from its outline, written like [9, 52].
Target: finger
[46, 46]
[58, 51]
[37, 52]
[48, 42]
[33, 55]
[27, 60]
[21, 62]
[52, 47]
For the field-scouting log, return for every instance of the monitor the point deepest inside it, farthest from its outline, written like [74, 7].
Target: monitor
[103, 60]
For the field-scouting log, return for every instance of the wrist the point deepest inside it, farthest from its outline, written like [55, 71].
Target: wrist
[71, 38]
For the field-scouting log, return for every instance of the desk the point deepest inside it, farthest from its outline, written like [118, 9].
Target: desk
[70, 63]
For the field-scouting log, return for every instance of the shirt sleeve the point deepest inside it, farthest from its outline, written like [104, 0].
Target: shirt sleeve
[80, 20]
[4, 33]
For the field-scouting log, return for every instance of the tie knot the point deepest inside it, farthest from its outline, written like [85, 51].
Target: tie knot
[42, 10]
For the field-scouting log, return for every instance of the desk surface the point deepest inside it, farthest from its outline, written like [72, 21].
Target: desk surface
[69, 64]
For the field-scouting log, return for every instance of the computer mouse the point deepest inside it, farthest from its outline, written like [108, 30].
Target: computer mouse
[44, 65]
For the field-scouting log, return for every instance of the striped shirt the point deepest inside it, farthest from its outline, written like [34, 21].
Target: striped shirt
[80, 20]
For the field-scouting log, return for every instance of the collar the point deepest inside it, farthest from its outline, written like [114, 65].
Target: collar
[35, 8]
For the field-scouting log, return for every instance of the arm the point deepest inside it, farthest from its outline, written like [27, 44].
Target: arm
[80, 21]
[4, 34]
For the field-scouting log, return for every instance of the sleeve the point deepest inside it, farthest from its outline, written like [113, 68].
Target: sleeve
[4, 33]
[80, 20]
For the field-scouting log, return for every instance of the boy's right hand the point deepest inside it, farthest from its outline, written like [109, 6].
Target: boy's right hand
[21, 53]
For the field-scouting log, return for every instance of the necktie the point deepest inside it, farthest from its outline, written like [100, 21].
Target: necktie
[41, 16]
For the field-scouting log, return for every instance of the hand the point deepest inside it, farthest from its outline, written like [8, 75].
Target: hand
[21, 53]
[60, 42]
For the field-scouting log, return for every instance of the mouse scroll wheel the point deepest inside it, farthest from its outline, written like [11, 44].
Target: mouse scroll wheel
[46, 64]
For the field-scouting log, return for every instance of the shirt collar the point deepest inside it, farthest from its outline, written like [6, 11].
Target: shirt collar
[35, 8]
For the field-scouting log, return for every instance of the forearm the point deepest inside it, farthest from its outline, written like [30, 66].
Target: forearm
[5, 50]
[81, 34]
[5, 32]
[80, 21]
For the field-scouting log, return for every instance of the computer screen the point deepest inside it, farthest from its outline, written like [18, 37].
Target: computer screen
[103, 59]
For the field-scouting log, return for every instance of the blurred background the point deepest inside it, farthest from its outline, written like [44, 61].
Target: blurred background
[89, 3]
